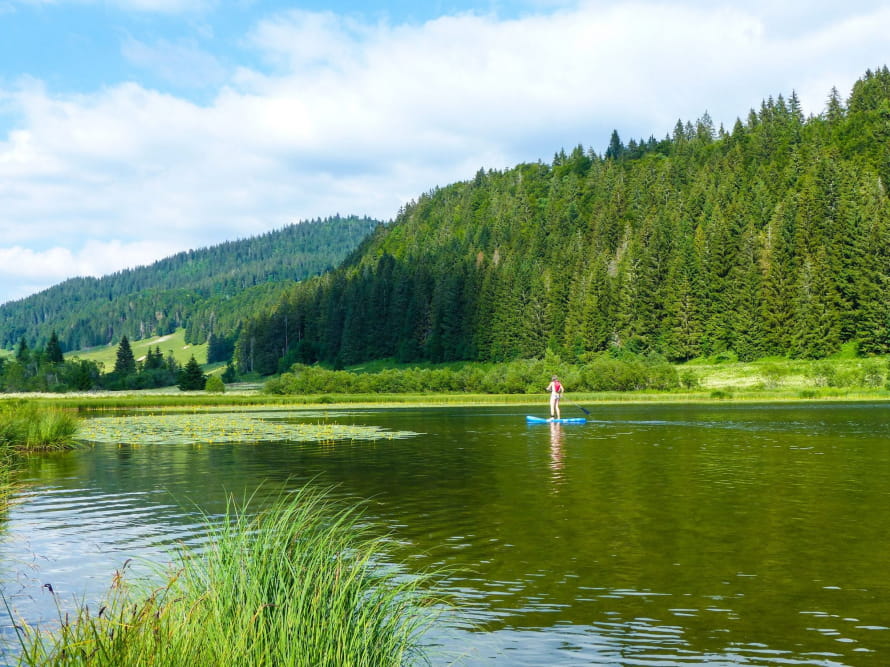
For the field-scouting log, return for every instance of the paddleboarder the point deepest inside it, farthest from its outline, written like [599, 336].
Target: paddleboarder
[555, 388]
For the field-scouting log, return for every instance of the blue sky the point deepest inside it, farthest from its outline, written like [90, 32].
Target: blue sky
[131, 129]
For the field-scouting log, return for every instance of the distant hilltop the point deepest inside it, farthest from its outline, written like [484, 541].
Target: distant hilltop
[206, 291]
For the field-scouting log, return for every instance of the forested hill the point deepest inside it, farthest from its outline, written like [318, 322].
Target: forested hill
[206, 290]
[771, 237]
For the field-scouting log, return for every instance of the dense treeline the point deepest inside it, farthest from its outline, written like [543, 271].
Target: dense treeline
[45, 369]
[207, 291]
[771, 238]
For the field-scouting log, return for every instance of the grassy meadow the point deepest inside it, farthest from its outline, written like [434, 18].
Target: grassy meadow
[175, 343]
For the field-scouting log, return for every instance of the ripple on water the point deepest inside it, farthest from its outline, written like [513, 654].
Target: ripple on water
[68, 537]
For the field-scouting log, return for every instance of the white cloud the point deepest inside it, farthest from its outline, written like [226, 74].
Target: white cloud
[358, 117]
[29, 270]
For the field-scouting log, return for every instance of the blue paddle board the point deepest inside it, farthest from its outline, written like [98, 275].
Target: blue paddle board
[564, 420]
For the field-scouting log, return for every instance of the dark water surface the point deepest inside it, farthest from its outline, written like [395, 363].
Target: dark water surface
[669, 535]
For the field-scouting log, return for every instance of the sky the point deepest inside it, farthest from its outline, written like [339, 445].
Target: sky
[134, 129]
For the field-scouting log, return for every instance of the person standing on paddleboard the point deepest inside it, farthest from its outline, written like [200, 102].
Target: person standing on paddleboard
[555, 388]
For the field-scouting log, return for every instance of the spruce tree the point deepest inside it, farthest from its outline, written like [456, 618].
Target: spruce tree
[125, 363]
[22, 354]
[191, 378]
[54, 350]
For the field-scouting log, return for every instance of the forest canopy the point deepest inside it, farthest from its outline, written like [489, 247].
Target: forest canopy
[207, 291]
[768, 238]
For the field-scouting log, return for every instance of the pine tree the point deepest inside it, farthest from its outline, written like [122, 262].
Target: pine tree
[53, 350]
[192, 378]
[817, 324]
[22, 353]
[125, 363]
[777, 296]
[616, 147]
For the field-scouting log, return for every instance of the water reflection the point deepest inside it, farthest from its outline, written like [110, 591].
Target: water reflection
[722, 535]
[556, 452]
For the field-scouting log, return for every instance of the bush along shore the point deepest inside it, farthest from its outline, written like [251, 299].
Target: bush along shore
[301, 583]
[616, 376]
[610, 377]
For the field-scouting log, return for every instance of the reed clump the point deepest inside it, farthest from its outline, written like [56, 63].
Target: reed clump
[30, 426]
[299, 584]
[7, 485]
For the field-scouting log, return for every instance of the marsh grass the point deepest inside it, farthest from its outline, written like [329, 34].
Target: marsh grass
[30, 426]
[7, 485]
[302, 583]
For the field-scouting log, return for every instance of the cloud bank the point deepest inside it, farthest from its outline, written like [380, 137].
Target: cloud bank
[351, 116]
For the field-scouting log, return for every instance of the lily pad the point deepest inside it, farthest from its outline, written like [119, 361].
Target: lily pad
[207, 428]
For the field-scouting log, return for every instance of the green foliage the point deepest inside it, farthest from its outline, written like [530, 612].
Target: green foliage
[523, 376]
[53, 350]
[229, 374]
[689, 380]
[204, 291]
[299, 584]
[125, 363]
[28, 426]
[191, 377]
[773, 374]
[774, 239]
[215, 385]
[33, 371]
[172, 345]
[220, 348]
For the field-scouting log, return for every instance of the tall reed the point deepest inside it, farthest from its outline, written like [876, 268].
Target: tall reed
[299, 584]
[30, 426]
[7, 486]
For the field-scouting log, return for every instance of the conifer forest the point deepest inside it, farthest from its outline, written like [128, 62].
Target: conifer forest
[771, 237]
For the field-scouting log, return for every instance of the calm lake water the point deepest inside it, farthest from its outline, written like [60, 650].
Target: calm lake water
[736, 535]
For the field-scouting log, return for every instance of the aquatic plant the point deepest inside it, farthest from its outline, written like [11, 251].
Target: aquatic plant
[28, 426]
[7, 486]
[247, 427]
[302, 583]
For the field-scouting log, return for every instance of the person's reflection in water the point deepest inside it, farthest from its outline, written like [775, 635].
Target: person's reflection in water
[556, 461]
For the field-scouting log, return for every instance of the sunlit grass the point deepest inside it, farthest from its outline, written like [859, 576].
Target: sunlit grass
[212, 427]
[7, 485]
[300, 584]
[30, 426]
[173, 343]
[25, 427]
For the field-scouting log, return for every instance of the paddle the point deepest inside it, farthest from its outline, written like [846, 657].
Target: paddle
[584, 410]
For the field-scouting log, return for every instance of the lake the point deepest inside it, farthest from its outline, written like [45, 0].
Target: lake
[651, 535]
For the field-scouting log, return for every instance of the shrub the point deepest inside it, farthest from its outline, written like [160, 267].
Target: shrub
[215, 385]
[689, 380]
[607, 374]
[823, 374]
[773, 374]
[872, 375]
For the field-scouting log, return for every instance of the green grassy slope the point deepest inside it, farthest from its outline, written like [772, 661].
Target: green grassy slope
[175, 342]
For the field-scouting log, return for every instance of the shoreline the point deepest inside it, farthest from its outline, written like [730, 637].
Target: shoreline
[175, 399]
